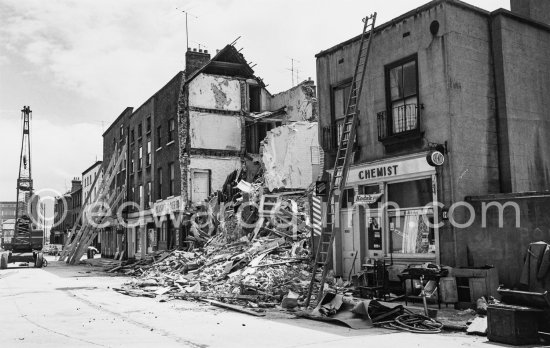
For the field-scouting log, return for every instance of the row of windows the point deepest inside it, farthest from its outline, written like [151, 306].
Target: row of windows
[89, 179]
[171, 132]
[139, 193]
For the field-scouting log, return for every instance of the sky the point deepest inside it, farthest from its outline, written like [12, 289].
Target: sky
[79, 63]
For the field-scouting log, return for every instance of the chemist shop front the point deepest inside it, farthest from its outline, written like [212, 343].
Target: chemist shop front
[384, 214]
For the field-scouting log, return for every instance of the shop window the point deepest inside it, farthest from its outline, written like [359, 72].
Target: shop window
[408, 224]
[348, 197]
[402, 92]
[416, 193]
[255, 93]
[410, 233]
[373, 190]
[171, 129]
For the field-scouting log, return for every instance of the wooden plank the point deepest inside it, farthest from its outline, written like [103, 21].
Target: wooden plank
[234, 308]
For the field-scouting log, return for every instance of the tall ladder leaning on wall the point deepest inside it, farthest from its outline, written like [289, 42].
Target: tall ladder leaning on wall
[346, 142]
[83, 237]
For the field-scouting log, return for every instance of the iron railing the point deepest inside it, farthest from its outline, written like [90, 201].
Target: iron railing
[404, 119]
[330, 135]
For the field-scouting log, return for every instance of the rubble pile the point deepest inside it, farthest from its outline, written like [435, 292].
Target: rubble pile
[259, 265]
[259, 273]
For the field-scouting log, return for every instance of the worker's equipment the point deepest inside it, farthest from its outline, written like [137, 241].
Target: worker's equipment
[346, 141]
[27, 241]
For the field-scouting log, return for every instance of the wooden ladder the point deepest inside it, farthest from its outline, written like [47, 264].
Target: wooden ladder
[346, 142]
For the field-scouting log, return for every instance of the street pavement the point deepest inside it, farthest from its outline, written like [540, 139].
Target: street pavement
[69, 306]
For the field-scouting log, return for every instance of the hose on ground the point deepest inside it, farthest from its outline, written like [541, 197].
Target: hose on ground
[412, 322]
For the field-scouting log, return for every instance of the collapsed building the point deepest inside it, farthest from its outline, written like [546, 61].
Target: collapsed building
[182, 144]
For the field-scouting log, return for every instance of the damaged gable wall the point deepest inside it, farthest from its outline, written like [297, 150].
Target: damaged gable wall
[290, 156]
[215, 138]
[300, 102]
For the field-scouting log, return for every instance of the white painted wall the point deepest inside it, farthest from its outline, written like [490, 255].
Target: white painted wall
[215, 92]
[286, 154]
[88, 180]
[220, 168]
[212, 131]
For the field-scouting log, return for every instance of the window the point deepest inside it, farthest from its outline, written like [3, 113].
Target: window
[402, 95]
[140, 196]
[148, 195]
[340, 96]
[159, 138]
[159, 183]
[132, 163]
[121, 132]
[140, 131]
[140, 158]
[348, 198]
[148, 124]
[132, 134]
[254, 93]
[255, 133]
[171, 129]
[409, 231]
[172, 179]
[148, 154]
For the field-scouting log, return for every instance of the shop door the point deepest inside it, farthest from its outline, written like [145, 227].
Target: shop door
[350, 245]
[201, 185]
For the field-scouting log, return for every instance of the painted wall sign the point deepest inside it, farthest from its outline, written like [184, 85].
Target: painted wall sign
[388, 170]
[169, 205]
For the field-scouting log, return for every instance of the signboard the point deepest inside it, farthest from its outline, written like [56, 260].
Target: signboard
[368, 198]
[169, 205]
[389, 170]
[435, 158]
[321, 188]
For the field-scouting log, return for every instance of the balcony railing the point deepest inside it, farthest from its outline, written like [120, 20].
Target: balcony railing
[404, 120]
[330, 135]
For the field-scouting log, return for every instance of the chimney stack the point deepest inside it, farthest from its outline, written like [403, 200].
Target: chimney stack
[195, 60]
[537, 10]
[76, 184]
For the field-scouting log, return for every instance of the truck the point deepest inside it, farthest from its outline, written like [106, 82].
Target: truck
[25, 245]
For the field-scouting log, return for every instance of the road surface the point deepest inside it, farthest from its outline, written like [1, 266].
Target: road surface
[69, 306]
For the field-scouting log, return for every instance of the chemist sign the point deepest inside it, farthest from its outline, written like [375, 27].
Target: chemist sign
[390, 170]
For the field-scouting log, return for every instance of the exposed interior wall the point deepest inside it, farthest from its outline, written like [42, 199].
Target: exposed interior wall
[504, 247]
[287, 156]
[215, 92]
[220, 168]
[300, 102]
[523, 84]
[214, 131]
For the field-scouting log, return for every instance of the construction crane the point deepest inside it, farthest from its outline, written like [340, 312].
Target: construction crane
[27, 241]
[346, 142]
